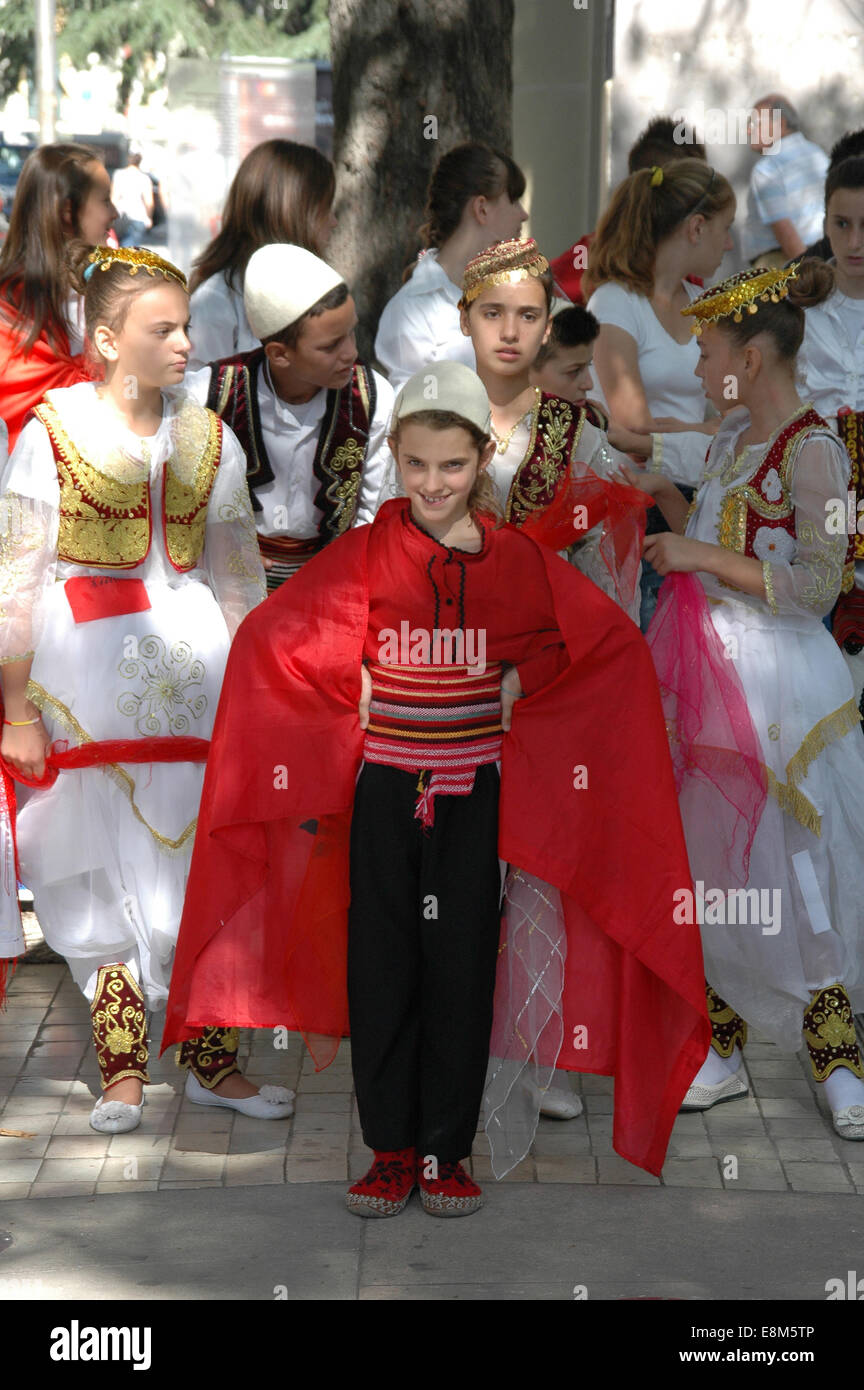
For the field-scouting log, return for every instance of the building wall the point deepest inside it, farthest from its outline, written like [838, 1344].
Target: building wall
[558, 126]
[724, 55]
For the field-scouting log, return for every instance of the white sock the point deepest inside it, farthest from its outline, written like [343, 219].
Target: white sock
[843, 1088]
[716, 1068]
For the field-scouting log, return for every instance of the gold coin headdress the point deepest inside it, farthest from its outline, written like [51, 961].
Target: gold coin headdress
[740, 294]
[135, 258]
[505, 263]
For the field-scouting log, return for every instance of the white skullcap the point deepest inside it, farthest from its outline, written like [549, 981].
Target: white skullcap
[283, 281]
[446, 386]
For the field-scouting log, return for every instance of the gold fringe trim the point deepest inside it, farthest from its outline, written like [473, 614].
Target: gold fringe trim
[834, 726]
[40, 697]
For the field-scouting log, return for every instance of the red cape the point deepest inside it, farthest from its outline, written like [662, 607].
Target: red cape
[264, 932]
[25, 379]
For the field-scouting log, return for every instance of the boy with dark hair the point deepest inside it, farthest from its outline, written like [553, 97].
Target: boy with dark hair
[562, 367]
[312, 420]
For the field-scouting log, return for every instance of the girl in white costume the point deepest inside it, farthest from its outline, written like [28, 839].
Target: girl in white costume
[128, 561]
[772, 471]
[831, 368]
[474, 199]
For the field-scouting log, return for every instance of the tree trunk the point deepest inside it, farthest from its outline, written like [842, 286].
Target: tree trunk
[411, 79]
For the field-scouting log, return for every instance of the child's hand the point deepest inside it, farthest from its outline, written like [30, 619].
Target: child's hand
[511, 691]
[365, 697]
[24, 748]
[670, 553]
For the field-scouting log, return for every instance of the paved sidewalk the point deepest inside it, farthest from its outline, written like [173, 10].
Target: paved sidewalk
[776, 1139]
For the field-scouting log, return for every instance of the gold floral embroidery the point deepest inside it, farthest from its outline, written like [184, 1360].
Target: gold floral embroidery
[824, 565]
[21, 537]
[347, 459]
[119, 1025]
[103, 520]
[243, 561]
[189, 476]
[535, 479]
[38, 696]
[774, 732]
[169, 680]
[829, 1032]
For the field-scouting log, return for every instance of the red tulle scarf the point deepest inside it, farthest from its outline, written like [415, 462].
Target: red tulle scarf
[99, 753]
[716, 753]
[621, 510]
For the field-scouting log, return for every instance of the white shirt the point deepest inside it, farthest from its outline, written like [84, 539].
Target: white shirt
[788, 183]
[130, 188]
[219, 324]
[291, 439]
[420, 324]
[831, 361]
[667, 369]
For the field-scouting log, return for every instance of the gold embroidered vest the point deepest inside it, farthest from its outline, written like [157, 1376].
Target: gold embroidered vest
[108, 523]
[555, 434]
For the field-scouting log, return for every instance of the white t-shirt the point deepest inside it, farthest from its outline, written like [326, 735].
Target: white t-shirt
[290, 434]
[219, 324]
[130, 188]
[830, 365]
[420, 324]
[667, 369]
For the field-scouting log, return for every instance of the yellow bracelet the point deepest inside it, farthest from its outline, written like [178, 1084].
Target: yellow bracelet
[19, 723]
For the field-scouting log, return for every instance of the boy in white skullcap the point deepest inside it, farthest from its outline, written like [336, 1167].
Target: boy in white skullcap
[311, 418]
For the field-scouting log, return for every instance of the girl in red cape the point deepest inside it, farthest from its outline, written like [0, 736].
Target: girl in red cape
[63, 200]
[330, 884]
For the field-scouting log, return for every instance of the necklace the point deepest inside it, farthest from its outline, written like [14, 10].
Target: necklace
[503, 440]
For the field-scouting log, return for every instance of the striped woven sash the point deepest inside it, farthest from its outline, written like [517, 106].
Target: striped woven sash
[288, 556]
[441, 721]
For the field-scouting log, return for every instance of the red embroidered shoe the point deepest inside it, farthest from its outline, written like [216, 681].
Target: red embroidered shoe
[451, 1193]
[387, 1186]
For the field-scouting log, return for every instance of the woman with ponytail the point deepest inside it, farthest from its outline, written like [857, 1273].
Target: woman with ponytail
[474, 200]
[662, 225]
[63, 199]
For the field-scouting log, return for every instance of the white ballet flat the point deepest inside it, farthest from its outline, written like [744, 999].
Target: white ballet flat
[849, 1122]
[703, 1097]
[271, 1102]
[115, 1116]
[560, 1104]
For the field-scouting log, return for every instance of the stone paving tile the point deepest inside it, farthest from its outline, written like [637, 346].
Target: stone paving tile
[90, 1145]
[17, 1170]
[558, 1168]
[131, 1171]
[691, 1172]
[614, 1169]
[818, 1177]
[757, 1175]
[857, 1172]
[13, 1191]
[63, 1189]
[69, 1170]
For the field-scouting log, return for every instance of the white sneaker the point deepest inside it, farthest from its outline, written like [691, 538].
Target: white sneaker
[558, 1104]
[849, 1122]
[271, 1102]
[702, 1097]
[115, 1116]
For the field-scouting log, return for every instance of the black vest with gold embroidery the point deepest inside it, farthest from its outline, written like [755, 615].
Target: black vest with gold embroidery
[555, 433]
[343, 438]
[108, 523]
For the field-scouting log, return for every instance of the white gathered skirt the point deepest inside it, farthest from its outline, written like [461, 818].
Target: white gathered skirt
[106, 852]
[798, 691]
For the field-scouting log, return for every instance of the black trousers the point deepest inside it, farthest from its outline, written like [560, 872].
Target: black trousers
[423, 931]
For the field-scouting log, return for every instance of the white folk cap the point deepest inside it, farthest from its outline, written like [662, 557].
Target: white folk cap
[282, 282]
[450, 386]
